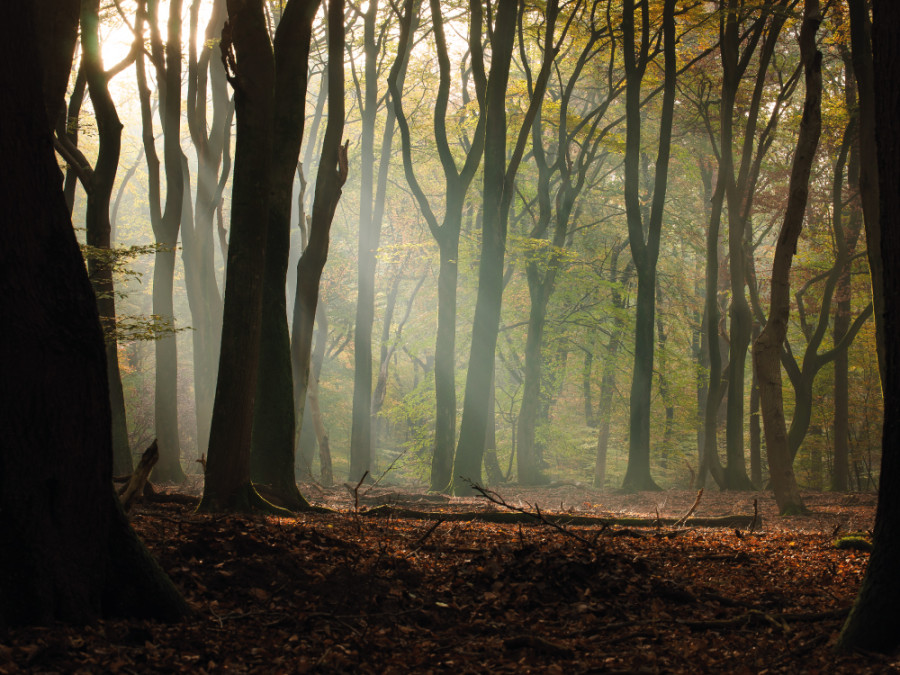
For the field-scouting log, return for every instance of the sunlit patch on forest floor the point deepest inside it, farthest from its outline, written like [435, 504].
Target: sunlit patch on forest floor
[345, 592]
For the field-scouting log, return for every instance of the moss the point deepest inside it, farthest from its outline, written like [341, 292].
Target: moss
[855, 541]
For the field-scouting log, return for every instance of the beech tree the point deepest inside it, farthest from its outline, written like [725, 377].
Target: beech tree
[874, 621]
[272, 455]
[67, 551]
[98, 181]
[446, 232]
[767, 348]
[644, 237]
[499, 181]
[166, 223]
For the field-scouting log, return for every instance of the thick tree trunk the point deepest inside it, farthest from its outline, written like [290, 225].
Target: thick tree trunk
[246, 47]
[767, 349]
[62, 535]
[874, 620]
[272, 449]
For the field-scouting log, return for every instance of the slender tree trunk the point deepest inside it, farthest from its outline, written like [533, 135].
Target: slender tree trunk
[861, 49]
[645, 248]
[767, 349]
[499, 179]
[166, 225]
[97, 217]
[211, 142]
[447, 233]
[330, 179]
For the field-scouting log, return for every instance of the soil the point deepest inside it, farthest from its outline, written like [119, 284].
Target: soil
[346, 592]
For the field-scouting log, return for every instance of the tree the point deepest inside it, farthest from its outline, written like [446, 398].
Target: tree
[211, 140]
[644, 237]
[499, 182]
[446, 233]
[873, 622]
[67, 552]
[166, 223]
[330, 178]
[98, 184]
[248, 55]
[272, 453]
[767, 348]
[371, 215]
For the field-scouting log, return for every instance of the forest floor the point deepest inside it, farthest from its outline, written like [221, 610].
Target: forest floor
[348, 592]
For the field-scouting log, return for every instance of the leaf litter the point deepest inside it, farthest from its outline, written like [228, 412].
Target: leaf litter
[343, 592]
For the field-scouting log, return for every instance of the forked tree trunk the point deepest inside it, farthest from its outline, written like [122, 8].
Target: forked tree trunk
[645, 247]
[767, 349]
[272, 449]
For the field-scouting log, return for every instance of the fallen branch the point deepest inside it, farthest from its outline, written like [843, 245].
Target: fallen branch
[501, 517]
[691, 510]
[495, 498]
[139, 478]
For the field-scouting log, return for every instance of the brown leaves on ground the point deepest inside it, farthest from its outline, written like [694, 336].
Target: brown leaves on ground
[345, 593]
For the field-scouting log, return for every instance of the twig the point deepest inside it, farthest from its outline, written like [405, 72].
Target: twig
[421, 540]
[755, 516]
[681, 521]
[356, 501]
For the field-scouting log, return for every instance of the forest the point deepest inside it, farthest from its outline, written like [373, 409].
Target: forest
[515, 335]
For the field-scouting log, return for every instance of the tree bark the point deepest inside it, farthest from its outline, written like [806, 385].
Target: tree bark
[873, 621]
[446, 234]
[331, 176]
[767, 349]
[644, 248]
[66, 550]
[272, 440]
[248, 55]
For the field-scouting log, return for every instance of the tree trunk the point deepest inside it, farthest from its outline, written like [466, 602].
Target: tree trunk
[165, 224]
[447, 233]
[872, 624]
[499, 179]
[272, 444]
[767, 349]
[644, 248]
[97, 217]
[246, 47]
[869, 182]
[330, 178]
[212, 146]
[66, 550]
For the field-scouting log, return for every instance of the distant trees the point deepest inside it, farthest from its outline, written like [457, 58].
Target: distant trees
[589, 140]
